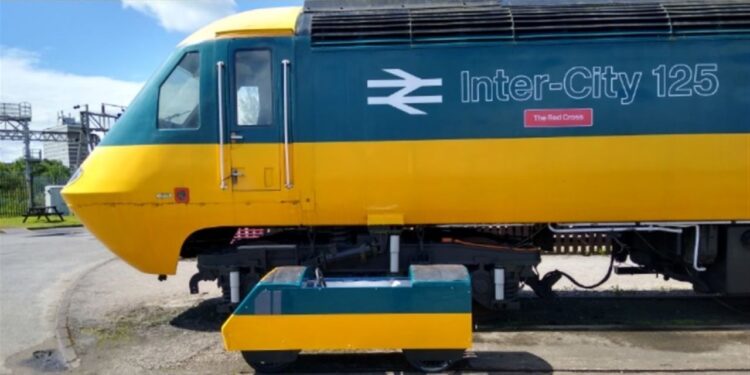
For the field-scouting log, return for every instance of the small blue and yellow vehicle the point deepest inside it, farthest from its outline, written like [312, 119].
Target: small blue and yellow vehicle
[293, 308]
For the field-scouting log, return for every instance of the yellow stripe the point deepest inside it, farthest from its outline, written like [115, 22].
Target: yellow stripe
[253, 33]
[347, 331]
[575, 179]
[583, 179]
[279, 21]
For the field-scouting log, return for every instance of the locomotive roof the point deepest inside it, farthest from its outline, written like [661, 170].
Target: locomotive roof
[412, 21]
[350, 22]
[259, 22]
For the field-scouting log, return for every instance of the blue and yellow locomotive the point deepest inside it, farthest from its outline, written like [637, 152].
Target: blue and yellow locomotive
[363, 137]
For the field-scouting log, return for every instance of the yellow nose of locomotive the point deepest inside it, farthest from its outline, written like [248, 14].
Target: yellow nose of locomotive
[110, 195]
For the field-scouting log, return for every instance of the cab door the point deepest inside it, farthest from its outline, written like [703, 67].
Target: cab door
[255, 112]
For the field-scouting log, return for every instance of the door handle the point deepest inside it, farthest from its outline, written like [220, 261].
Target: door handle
[235, 175]
[236, 137]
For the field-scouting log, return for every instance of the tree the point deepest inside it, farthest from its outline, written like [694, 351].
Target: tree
[13, 190]
[54, 170]
[11, 176]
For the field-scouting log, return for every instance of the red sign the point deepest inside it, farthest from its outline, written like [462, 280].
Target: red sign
[181, 195]
[558, 118]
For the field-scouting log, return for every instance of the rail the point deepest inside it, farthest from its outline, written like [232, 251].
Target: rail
[220, 89]
[287, 170]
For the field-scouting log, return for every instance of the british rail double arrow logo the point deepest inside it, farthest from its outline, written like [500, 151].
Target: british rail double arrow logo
[408, 84]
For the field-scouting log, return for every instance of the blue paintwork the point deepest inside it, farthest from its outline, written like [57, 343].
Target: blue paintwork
[329, 90]
[138, 123]
[277, 294]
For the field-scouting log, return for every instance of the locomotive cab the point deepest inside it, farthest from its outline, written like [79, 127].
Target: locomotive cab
[257, 106]
[204, 135]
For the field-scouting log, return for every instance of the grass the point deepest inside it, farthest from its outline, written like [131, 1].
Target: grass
[33, 223]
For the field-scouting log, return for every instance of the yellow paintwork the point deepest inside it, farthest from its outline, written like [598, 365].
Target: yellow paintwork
[352, 331]
[385, 219]
[253, 23]
[256, 170]
[575, 179]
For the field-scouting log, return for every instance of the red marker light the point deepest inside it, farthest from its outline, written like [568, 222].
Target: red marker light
[181, 195]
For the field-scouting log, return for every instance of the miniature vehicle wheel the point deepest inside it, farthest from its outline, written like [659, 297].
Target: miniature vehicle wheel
[429, 365]
[433, 360]
[270, 361]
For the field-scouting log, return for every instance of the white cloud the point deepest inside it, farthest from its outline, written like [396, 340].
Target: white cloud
[183, 15]
[50, 91]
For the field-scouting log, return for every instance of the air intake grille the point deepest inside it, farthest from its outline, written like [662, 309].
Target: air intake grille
[518, 22]
[590, 20]
[718, 16]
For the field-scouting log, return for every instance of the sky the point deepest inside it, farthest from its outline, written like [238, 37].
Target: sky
[59, 53]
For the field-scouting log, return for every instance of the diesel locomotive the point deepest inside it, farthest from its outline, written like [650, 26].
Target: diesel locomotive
[363, 137]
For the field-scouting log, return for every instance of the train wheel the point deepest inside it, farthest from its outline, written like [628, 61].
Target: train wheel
[433, 360]
[270, 361]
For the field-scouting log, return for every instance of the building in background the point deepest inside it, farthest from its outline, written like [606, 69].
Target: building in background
[66, 152]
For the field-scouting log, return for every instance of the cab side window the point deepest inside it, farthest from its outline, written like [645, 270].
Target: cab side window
[252, 82]
[179, 104]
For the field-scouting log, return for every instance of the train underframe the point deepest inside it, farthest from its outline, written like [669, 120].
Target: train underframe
[715, 258]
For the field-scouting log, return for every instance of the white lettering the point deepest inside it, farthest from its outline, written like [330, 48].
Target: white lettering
[570, 87]
[594, 83]
[629, 86]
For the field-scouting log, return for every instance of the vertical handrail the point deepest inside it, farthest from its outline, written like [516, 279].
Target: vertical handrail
[696, 249]
[220, 87]
[287, 170]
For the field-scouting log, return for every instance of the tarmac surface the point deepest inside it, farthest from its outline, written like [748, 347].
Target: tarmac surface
[123, 322]
[36, 268]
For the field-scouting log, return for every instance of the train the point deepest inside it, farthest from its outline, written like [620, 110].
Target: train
[361, 138]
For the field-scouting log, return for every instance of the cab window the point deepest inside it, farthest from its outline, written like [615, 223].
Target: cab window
[179, 95]
[252, 80]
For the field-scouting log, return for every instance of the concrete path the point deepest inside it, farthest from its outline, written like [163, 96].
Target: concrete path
[36, 267]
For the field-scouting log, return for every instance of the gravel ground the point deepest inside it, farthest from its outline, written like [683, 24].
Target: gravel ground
[590, 269]
[133, 324]
[125, 322]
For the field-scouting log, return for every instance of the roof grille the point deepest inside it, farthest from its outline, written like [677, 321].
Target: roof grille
[481, 21]
[590, 20]
[709, 17]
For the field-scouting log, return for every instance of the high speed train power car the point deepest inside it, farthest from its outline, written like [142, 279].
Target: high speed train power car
[363, 137]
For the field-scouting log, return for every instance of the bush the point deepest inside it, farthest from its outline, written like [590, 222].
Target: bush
[13, 190]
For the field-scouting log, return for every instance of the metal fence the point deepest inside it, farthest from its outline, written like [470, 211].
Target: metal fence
[14, 202]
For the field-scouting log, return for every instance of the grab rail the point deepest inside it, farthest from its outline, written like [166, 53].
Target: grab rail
[220, 88]
[287, 171]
